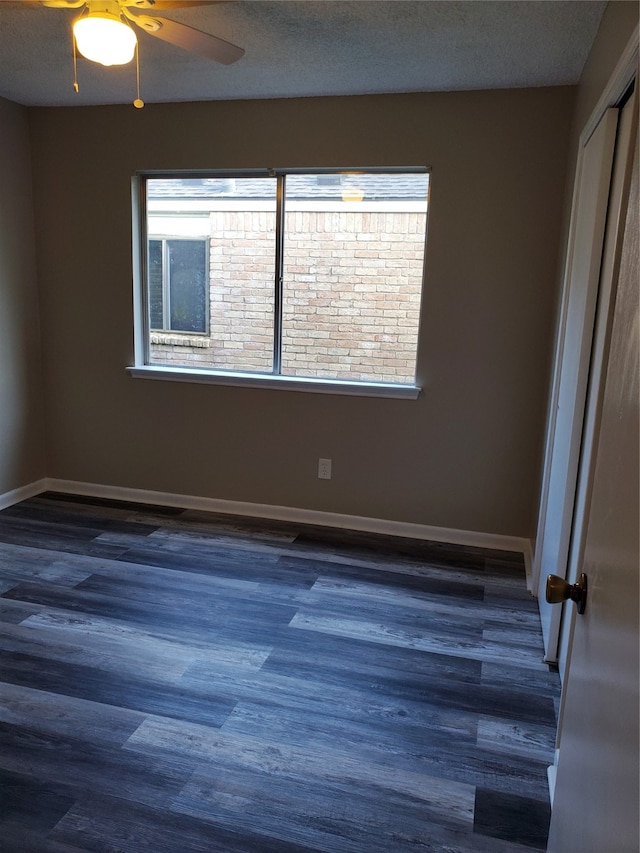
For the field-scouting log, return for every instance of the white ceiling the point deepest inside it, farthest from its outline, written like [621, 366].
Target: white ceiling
[310, 47]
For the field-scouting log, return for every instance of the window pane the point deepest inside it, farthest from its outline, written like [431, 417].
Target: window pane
[353, 262]
[188, 285]
[156, 320]
[237, 217]
[242, 276]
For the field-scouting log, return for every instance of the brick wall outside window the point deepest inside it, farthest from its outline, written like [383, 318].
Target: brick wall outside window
[352, 284]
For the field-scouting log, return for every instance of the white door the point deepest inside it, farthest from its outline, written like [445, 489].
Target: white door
[616, 214]
[573, 357]
[595, 807]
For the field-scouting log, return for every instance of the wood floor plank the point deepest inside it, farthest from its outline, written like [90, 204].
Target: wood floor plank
[253, 618]
[68, 517]
[19, 563]
[17, 838]
[523, 738]
[330, 817]
[16, 611]
[379, 573]
[243, 752]
[31, 803]
[326, 659]
[440, 643]
[103, 507]
[137, 643]
[110, 825]
[342, 701]
[55, 537]
[337, 590]
[512, 817]
[160, 662]
[125, 690]
[80, 765]
[509, 676]
[53, 715]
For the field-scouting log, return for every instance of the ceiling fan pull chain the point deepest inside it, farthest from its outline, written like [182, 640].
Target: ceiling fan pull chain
[138, 103]
[76, 88]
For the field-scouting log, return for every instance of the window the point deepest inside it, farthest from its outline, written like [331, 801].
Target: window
[178, 285]
[289, 275]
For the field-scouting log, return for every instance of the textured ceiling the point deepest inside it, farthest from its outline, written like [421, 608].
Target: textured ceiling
[310, 47]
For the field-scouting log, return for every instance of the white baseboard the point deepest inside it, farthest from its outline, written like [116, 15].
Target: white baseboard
[276, 513]
[552, 774]
[302, 516]
[23, 493]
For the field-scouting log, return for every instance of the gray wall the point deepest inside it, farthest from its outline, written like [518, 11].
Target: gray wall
[21, 437]
[465, 455]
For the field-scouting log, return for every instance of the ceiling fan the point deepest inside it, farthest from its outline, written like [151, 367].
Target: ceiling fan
[101, 20]
[103, 31]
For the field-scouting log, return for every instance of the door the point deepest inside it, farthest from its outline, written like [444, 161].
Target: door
[616, 214]
[597, 791]
[573, 360]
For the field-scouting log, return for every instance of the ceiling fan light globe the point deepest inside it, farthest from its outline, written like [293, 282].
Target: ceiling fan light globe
[101, 37]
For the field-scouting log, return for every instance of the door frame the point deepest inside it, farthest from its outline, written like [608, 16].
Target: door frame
[624, 74]
[574, 358]
[619, 82]
[610, 265]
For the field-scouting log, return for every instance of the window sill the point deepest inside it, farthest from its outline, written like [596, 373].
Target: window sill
[177, 339]
[281, 383]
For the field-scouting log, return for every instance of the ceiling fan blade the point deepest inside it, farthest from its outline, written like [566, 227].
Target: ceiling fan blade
[188, 38]
[62, 4]
[159, 5]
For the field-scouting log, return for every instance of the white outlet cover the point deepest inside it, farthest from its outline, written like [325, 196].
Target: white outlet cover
[324, 469]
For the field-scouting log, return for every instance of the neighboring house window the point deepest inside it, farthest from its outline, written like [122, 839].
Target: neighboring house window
[178, 285]
[310, 275]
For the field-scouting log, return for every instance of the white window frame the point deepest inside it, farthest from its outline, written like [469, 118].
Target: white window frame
[142, 369]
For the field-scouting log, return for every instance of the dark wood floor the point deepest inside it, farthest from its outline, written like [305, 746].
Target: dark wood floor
[173, 682]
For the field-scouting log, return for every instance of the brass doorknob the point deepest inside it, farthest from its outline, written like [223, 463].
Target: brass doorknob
[558, 590]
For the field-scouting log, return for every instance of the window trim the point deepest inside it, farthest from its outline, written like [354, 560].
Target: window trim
[236, 379]
[142, 369]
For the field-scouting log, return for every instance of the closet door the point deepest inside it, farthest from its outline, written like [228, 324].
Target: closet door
[595, 806]
[572, 365]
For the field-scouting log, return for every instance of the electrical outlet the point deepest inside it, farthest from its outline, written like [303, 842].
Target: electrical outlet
[324, 469]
